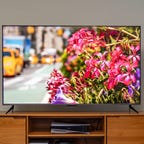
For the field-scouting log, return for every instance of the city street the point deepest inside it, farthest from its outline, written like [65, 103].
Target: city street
[30, 86]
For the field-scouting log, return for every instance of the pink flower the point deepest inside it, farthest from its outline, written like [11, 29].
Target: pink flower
[120, 68]
[87, 74]
[95, 73]
[126, 78]
[56, 81]
[134, 58]
[82, 38]
[110, 83]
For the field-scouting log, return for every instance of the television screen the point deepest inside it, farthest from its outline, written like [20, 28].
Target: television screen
[51, 64]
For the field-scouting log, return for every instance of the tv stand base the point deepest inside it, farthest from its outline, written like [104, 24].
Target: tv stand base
[10, 109]
[132, 108]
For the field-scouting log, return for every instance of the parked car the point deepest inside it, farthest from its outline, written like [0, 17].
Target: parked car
[12, 62]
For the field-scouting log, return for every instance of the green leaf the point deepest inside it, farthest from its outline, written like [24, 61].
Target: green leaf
[112, 39]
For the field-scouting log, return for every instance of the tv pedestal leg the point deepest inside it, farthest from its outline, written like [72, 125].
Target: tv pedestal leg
[132, 108]
[10, 109]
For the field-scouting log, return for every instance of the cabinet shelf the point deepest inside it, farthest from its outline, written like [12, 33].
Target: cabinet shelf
[76, 135]
[40, 127]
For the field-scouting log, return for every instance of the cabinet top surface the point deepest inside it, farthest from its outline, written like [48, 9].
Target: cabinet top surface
[71, 114]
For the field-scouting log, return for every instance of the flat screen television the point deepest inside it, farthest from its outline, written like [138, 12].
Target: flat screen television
[73, 64]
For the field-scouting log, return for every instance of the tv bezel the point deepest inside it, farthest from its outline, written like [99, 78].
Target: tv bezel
[71, 105]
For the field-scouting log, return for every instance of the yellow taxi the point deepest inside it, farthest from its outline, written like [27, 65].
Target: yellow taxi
[50, 59]
[34, 59]
[46, 59]
[12, 62]
[58, 59]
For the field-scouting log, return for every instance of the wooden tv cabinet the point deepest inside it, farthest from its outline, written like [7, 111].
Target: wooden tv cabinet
[104, 128]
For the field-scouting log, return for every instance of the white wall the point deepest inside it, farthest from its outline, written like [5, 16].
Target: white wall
[66, 12]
